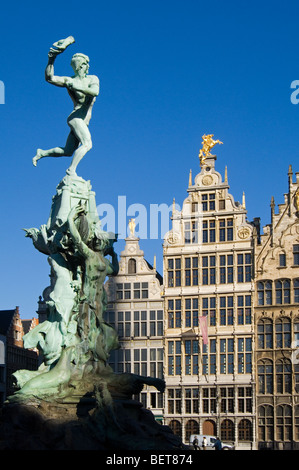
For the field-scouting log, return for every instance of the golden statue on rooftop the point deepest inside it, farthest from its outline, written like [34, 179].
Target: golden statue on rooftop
[207, 144]
[132, 226]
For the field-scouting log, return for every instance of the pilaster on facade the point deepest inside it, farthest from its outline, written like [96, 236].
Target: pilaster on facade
[277, 324]
[208, 291]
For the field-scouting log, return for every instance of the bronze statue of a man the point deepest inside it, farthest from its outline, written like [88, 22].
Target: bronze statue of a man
[83, 90]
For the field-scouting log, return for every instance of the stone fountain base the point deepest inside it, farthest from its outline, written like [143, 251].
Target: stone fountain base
[83, 425]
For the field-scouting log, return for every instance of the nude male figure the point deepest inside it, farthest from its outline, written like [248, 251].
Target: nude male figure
[83, 90]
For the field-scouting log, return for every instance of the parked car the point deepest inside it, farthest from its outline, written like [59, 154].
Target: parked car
[210, 442]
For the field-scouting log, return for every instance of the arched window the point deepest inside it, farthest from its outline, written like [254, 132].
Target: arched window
[192, 427]
[176, 427]
[283, 333]
[284, 423]
[283, 376]
[282, 291]
[265, 423]
[265, 376]
[132, 266]
[264, 291]
[245, 430]
[296, 290]
[265, 334]
[227, 430]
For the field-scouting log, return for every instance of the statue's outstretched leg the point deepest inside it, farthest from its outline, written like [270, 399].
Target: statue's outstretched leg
[71, 145]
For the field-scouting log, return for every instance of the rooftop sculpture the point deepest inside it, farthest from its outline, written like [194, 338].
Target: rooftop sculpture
[207, 144]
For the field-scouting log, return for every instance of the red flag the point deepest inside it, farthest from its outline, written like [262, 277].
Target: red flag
[204, 328]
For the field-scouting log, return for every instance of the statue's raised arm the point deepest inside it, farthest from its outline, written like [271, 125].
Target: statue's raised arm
[57, 48]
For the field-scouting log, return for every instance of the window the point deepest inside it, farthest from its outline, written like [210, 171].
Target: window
[124, 324]
[244, 267]
[156, 363]
[208, 231]
[226, 310]
[283, 376]
[282, 260]
[192, 427]
[265, 423]
[140, 290]
[245, 400]
[124, 361]
[109, 318]
[191, 357]
[227, 356]
[282, 291]
[296, 255]
[140, 361]
[176, 427]
[174, 358]
[227, 399]
[221, 204]
[244, 309]
[123, 291]
[132, 266]
[208, 202]
[174, 313]
[156, 400]
[296, 331]
[284, 423]
[140, 323]
[174, 272]
[245, 430]
[209, 309]
[194, 207]
[209, 270]
[227, 430]
[191, 312]
[264, 291]
[226, 269]
[244, 355]
[156, 323]
[209, 400]
[174, 400]
[283, 333]
[191, 400]
[191, 271]
[265, 334]
[265, 377]
[296, 437]
[226, 230]
[296, 290]
[209, 358]
[191, 232]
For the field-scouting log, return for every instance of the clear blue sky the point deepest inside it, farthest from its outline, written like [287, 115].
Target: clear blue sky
[170, 71]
